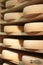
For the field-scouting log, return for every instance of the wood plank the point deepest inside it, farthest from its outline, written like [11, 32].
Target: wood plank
[21, 34]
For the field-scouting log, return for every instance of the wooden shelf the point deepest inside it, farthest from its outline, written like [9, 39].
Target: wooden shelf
[21, 34]
[19, 21]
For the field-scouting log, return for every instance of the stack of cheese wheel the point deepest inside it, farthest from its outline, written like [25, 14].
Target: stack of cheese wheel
[33, 44]
[13, 17]
[11, 3]
[34, 12]
[10, 17]
[29, 60]
[12, 43]
[10, 56]
[34, 28]
[13, 29]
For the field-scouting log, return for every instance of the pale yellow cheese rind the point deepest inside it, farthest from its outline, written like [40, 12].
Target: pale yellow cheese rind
[12, 43]
[33, 44]
[29, 60]
[13, 16]
[10, 56]
[33, 9]
[33, 27]
[12, 29]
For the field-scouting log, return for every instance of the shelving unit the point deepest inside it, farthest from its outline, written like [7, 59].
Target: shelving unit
[23, 35]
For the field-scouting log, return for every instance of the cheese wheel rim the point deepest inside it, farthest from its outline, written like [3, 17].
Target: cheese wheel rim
[11, 56]
[33, 9]
[13, 16]
[14, 2]
[29, 60]
[33, 44]
[33, 27]
[12, 29]
[12, 43]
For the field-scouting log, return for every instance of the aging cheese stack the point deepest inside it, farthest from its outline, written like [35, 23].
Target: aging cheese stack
[12, 17]
[34, 13]
[16, 48]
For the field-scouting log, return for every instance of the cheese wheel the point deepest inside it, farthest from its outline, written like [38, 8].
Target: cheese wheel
[12, 43]
[33, 27]
[6, 64]
[33, 9]
[13, 2]
[13, 16]
[10, 56]
[29, 60]
[12, 29]
[33, 44]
